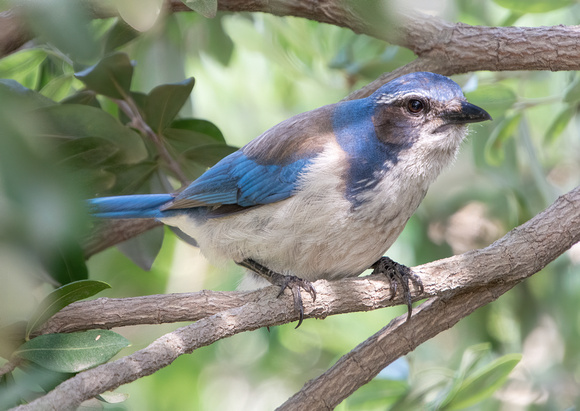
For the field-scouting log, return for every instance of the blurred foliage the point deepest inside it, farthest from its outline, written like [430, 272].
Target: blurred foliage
[103, 107]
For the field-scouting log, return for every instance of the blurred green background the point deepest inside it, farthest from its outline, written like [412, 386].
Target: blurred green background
[252, 71]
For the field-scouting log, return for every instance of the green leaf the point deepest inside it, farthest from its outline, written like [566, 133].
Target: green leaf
[66, 263]
[483, 383]
[22, 97]
[472, 356]
[72, 352]
[197, 126]
[74, 121]
[511, 19]
[494, 148]
[112, 397]
[134, 178]
[143, 249]
[100, 181]
[559, 124]
[120, 34]
[379, 394]
[58, 88]
[85, 97]
[110, 77]
[86, 152]
[164, 102]
[495, 98]
[219, 44]
[18, 66]
[209, 154]
[10, 393]
[207, 8]
[187, 134]
[181, 141]
[572, 94]
[533, 6]
[35, 375]
[60, 298]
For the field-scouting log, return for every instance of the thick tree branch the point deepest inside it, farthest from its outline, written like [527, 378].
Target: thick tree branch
[444, 47]
[462, 284]
[457, 48]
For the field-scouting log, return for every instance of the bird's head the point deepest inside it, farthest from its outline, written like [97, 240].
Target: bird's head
[425, 111]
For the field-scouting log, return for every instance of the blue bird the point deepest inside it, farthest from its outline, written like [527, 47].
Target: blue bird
[323, 194]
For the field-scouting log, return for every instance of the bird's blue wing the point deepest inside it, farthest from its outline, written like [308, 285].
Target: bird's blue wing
[266, 170]
[241, 180]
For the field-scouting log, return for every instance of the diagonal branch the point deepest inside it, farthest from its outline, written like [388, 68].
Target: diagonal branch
[518, 255]
[444, 47]
[400, 337]
[462, 284]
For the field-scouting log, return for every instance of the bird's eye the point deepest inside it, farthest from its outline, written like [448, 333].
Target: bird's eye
[415, 106]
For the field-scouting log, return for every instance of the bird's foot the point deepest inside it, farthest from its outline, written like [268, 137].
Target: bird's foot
[291, 282]
[294, 284]
[398, 274]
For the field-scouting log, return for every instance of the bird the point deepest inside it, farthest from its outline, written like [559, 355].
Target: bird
[323, 194]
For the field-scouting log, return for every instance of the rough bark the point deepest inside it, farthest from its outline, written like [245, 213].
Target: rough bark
[459, 284]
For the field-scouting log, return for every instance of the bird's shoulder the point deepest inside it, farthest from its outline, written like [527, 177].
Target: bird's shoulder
[265, 170]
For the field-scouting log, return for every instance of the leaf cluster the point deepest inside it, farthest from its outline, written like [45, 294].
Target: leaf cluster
[100, 138]
[477, 376]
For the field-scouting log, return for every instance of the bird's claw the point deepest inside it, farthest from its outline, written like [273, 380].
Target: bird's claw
[291, 282]
[398, 274]
[294, 284]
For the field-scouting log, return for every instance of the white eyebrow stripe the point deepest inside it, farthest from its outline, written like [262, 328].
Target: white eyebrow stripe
[389, 98]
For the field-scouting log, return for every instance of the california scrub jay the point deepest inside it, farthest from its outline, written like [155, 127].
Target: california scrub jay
[325, 193]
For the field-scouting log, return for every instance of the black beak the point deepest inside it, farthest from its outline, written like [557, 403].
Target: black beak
[469, 113]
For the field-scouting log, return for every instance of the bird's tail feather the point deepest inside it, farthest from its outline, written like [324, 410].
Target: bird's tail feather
[133, 206]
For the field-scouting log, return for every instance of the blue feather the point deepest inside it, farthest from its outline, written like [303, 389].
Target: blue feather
[134, 206]
[264, 171]
[241, 180]
[368, 155]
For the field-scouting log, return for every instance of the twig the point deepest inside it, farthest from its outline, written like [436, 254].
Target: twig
[132, 111]
[10, 366]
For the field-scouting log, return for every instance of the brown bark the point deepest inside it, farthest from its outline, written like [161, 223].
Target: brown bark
[459, 284]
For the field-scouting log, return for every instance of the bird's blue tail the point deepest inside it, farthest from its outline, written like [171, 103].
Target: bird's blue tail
[134, 206]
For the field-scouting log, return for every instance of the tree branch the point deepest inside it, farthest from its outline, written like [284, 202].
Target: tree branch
[13, 33]
[400, 337]
[443, 47]
[490, 273]
[462, 284]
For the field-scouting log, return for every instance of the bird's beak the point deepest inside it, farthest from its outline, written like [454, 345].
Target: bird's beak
[467, 113]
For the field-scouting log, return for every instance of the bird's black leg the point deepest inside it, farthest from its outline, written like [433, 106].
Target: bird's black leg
[291, 282]
[398, 274]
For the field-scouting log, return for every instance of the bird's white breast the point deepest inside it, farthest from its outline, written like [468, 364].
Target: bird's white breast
[316, 233]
